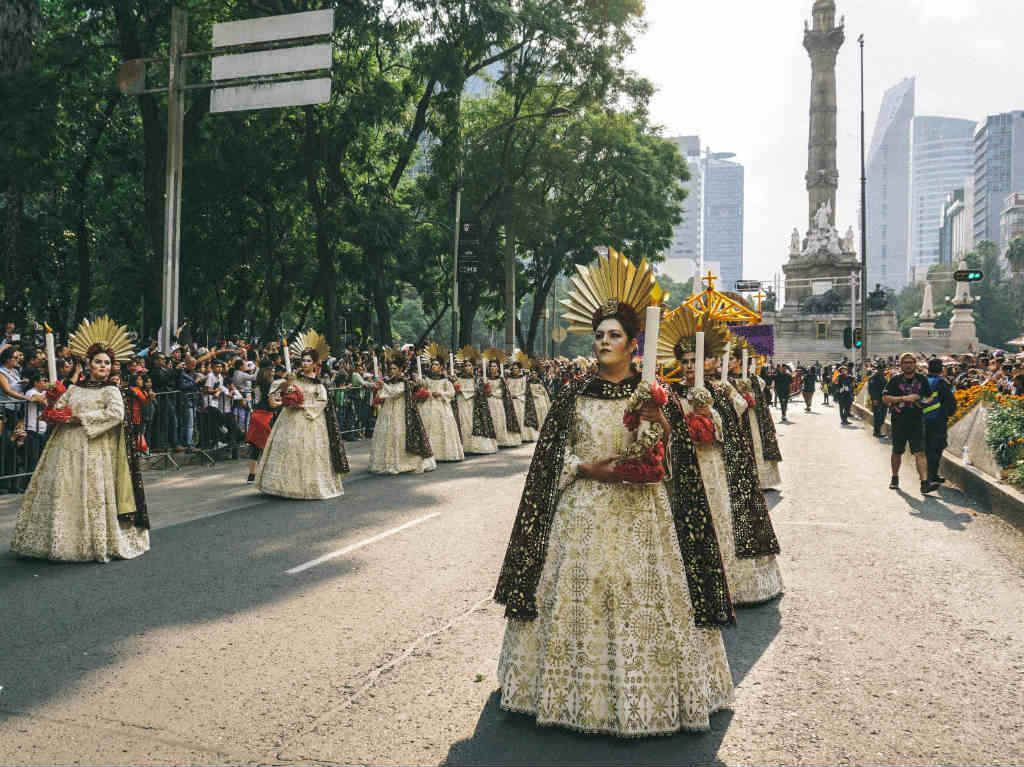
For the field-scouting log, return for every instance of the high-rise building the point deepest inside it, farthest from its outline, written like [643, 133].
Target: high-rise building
[723, 216]
[998, 170]
[941, 155]
[686, 235]
[888, 192]
[952, 209]
[1011, 225]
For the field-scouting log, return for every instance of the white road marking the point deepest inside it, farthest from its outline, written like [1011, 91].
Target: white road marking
[349, 549]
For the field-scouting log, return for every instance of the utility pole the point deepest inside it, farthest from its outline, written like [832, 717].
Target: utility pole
[172, 197]
[510, 284]
[458, 223]
[863, 221]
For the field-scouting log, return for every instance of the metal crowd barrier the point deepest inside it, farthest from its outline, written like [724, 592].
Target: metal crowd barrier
[19, 448]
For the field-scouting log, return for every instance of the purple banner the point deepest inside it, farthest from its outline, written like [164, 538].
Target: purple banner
[760, 337]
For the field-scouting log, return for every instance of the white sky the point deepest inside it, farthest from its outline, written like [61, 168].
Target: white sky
[736, 74]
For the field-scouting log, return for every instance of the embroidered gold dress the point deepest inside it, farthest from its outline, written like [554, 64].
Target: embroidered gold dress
[614, 647]
[750, 580]
[296, 461]
[767, 471]
[80, 485]
[465, 397]
[388, 454]
[518, 388]
[496, 404]
[543, 402]
[439, 420]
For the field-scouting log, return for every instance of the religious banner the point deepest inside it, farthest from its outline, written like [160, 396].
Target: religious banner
[761, 337]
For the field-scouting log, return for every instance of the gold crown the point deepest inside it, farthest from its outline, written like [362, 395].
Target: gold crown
[612, 281]
[467, 353]
[116, 339]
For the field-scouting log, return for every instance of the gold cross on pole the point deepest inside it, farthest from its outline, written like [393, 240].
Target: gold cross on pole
[709, 278]
[760, 295]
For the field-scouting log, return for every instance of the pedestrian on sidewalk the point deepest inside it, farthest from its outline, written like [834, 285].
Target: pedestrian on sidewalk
[903, 394]
[827, 383]
[810, 379]
[876, 388]
[843, 393]
[781, 383]
[937, 410]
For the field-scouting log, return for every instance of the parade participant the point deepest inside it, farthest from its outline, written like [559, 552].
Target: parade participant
[827, 382]
[400, 441]
[522, 399]
[478, 435]
[756, 419]
[903, 395]
[876, 388]
[503, 412]
[810, 378]
[843, 389]
[745, 532]
[304, 456]
[436, 410]
[541, 399]
[937, 410]
[613, 592]
[261, 420]
[85, 501]
[782, 382]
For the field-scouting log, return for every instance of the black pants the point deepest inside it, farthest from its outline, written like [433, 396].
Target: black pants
[783, 402]
[934, 444]
[878, 411]
[845, 403]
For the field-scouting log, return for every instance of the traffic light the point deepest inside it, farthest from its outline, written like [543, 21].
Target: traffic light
[968, 275]
[858, 337]
[848, 337]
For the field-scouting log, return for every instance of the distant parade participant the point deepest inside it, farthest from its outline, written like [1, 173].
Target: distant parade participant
[85, 501]
[826, 382]
[903, 395]
[436, 410]
[304, 456]
[613, 589]
[758, 419]
[876, 388]
[475, 424]
[810, 378]
[782, 383]
[522, 399]
[937, 410]
[503, 412]
[843, 389]
[400, 443]
[541, 399]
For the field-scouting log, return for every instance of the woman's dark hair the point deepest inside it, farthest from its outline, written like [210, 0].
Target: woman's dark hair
[311, 353]
[238, 364]
[97, 349]
[625, 314]
[6, 354]
[265, 378]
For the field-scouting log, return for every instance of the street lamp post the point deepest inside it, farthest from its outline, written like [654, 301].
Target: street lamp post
[863, 221]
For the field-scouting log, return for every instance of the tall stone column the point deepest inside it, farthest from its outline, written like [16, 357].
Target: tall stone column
[822, 39]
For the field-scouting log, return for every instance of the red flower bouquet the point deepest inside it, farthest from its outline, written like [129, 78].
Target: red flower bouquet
[421, 395]
[54, 393]
[487, 389]
[642, 461]
[377, 402]
[54, 416]
[749, 398]
[702, 429]
[293, 398]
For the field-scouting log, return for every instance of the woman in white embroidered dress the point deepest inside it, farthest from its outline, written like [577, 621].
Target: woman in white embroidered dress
[297, 460]
[496, 403]
[614, 647]
[438, 416]
[81, 503]
[466, 398]
[518, 387]
[767, 471]
[540, 399]
[388, 453]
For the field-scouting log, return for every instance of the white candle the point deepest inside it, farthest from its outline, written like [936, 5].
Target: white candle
[419, 366]
[725, 362]
[699, 344]
[451, 363]
[376, 368]
[746, 361]
[501, 369]
[287, 356]
[651, 342]
[51, 356]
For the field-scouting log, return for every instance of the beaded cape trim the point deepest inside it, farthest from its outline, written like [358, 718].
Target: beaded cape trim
[527, 548]
[416, 440]
[769, 439]
[752, 528]
[530, 412]
[483, 424]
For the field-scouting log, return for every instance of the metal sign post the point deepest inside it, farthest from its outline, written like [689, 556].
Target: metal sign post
[172, 201]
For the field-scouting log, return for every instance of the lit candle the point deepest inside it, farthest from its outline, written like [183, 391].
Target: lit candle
[287, 356]
[725, 362]
[376, 368]
[651, 342]
[746, 361]
[699, 347]
[51, 355]
[501, 369]
[451, 363]
[419, 366]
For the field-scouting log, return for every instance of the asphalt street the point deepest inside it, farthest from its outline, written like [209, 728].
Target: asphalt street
[360, 630]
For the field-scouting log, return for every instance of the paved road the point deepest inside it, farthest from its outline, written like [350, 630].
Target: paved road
[899, 639]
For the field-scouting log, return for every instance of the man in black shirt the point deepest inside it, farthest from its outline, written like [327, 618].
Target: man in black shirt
[876, 388]
[903, 394]
[843, 393]
[782, 381]
[937, 409]
[810, 379]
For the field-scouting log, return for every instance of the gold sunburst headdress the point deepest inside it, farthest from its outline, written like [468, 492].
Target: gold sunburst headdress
[495, 355]
[467, 353]
[436, 351]
[103, 332]
[523, 359]
[678, 335]
[604, 286]
[309, 340]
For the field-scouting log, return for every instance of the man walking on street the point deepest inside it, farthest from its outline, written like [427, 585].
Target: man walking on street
[843, 393]
[876, 388]
[937, 409]
[810, 378]
[781, 383]
[903, 394]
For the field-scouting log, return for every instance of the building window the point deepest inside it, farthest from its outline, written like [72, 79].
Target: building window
[822, 330]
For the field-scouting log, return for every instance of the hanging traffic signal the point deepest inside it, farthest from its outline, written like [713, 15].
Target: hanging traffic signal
[848, 337]
[968, 275]
[858, 337]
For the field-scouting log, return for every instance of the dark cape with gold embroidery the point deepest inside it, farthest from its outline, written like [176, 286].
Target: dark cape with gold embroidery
[769, 439]
[416, 440]
[511, 421]
[140, 517]
[752, 527]
[339, 458]
[483, 424]
[530, 412]
[527, 548]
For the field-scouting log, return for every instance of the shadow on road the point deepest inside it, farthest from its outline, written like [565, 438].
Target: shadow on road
[932, 509]
[65, 621]
[504, 738]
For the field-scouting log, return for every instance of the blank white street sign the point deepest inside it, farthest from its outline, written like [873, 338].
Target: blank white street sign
[275, 62]
[288, 94]
[270, 28]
